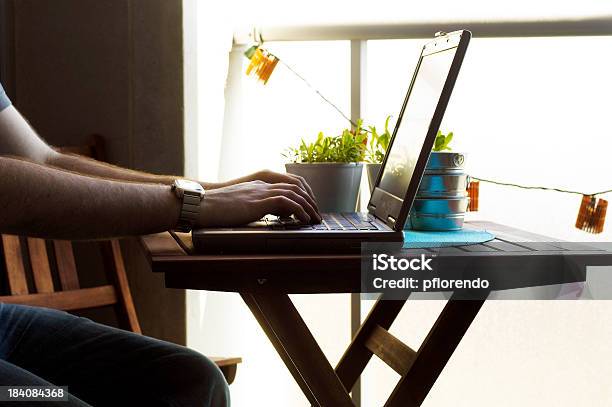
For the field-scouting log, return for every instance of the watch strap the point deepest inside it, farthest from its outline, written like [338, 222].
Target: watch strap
[189, 211]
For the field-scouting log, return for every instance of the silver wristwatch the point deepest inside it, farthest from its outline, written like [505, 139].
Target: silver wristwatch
[191, 194]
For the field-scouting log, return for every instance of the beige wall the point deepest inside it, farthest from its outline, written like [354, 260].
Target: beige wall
[112, 67]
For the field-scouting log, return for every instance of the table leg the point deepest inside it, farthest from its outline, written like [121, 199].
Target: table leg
[357, 355]
[299, 350]
[355, 327]
[434, 353]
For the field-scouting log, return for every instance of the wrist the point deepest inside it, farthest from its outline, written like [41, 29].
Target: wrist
[211, 185]
[175, 206]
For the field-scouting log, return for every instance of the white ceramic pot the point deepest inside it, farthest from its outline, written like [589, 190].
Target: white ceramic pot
[335, 185]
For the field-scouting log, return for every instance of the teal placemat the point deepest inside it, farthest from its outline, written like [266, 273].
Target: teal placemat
[420, 239]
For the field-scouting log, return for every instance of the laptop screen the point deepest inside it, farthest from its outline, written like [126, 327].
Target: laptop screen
[412, 130]
[416, 128]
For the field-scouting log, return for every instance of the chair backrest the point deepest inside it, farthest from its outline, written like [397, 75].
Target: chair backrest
[53, 281]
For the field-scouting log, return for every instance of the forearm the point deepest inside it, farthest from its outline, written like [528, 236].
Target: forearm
[87, 166]
[50, 203]
[18, 139]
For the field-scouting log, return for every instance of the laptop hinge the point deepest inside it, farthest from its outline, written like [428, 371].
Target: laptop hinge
[391, 221]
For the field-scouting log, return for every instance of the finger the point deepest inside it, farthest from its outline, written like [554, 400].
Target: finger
[297, 189]
[303, 184]
[283, 206]
[314, 216]
[276, 177]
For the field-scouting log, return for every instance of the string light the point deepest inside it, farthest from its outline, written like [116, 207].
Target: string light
[508, 184]
[473, 191]
[591, 214]
[256, 60]
[262, 64]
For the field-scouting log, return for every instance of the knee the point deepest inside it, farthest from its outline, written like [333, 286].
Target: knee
[206, 385]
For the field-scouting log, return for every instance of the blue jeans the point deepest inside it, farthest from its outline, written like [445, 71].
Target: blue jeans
[102, 366]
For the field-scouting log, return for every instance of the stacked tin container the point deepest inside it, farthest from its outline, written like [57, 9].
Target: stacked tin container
[442, 200]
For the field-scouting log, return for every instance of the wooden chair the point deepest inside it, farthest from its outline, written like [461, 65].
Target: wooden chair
[63, 292]
[44, 273]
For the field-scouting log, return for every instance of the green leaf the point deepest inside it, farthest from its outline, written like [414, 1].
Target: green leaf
[442, 141]
[439, 142]
[349, 146]
[447, 140]
[251, 51]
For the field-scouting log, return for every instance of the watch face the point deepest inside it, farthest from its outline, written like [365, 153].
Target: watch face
[187, 185]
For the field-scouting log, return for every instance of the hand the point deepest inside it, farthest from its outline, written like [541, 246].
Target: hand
[246, 202]
[272, 177]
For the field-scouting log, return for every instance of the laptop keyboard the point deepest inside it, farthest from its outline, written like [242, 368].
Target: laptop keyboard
[331, 221]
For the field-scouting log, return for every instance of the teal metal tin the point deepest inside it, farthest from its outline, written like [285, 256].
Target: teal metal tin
[438, 214]
[445, 161]
[441, 200]
[440, 206]
[433, 223]
[443, 185]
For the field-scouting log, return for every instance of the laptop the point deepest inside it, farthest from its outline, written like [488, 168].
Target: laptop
[397, 184]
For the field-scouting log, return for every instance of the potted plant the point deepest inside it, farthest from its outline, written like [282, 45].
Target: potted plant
[332, 166]
[376, 150]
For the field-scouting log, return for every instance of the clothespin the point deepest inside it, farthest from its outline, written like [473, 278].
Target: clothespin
[262, 63]
[473, 191]
[592, 214]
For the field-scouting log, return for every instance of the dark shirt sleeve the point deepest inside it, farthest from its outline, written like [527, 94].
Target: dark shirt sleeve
[4, 100]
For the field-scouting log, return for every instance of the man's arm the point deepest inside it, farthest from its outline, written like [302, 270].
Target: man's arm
[84, 165]
[19, 139]
[51, 195]
[50, 203]
[55, 204]
[88, 166]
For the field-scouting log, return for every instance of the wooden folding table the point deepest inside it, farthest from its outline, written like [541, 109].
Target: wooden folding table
[264, 282]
